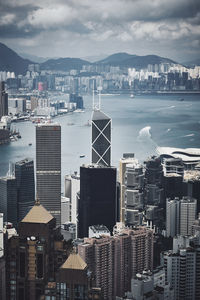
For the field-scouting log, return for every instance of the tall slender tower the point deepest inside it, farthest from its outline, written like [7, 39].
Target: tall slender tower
[101, 136]
[48, 167]
[3, 100]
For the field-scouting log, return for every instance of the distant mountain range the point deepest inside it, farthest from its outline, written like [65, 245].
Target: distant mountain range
[134, 61]
[64, 64]
[36, 59]
[192, 63]
[11, 61]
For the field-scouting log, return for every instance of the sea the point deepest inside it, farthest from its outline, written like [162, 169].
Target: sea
[139, 126]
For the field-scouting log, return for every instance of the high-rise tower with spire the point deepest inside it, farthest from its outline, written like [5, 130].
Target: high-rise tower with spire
[101, 135]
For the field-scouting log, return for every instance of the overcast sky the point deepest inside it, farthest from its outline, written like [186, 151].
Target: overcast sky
[81, 28]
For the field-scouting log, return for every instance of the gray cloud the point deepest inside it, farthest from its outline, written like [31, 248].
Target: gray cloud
[101, 25]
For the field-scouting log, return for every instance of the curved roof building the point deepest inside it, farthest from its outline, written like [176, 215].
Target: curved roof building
[189, 156]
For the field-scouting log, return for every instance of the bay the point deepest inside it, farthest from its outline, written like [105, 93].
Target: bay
[139, 125]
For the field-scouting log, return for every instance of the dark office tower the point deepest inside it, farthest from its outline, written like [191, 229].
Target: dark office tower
[192, 186]
[3, 100]
[48, 167]
[101, 138]
[173, 185]
[154, 170]
[24, 173]
[97, 204]
[8, 199]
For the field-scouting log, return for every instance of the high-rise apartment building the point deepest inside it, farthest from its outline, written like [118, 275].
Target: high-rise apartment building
[98, 254]
[180, 216]
[24, 174]
[97, 204]
[3, 100]
[115, 260]
[182, 268]
[101, 138]
[48, 167]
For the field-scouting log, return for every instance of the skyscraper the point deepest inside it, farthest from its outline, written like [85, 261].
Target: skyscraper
[72, 187]
[101, 138]
[97, 204]
[48, 167]
[127, 159]
[24, 173]
[134, 199]
[180, 216]
[3, 100]
[8, 199]
[188, 211]
[172, 217]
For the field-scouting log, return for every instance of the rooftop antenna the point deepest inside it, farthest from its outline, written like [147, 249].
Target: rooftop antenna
[93, 96]
[37, 201]
[99, 89]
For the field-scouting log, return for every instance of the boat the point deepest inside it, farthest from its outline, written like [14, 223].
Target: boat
[132, 96]
[88, 123]
[30, 144]
[81, 156]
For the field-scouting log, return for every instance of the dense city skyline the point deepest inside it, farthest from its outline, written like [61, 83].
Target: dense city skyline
[82, 29]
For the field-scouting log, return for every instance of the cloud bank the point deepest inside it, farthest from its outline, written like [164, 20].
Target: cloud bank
[86, 27]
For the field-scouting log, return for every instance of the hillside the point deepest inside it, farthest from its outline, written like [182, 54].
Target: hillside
[133, 61]
[64, 64]
[11, 61]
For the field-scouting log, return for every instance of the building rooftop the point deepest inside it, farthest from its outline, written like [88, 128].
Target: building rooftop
[97, 166]
[189, 155]
[173, 175]
[97, 228]
[37, 214]
[47, 124]
[23, 161]
[192, 175]
[74, 262]
[99, 115]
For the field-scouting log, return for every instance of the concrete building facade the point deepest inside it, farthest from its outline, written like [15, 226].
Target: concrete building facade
[115, 260]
